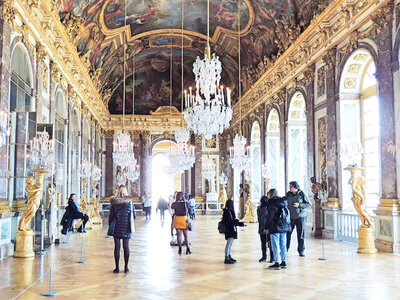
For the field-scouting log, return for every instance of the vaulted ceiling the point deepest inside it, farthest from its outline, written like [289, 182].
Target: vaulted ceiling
[153, 27]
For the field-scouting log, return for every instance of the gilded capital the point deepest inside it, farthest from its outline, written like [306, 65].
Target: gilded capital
[40, 52]
[330, 59]
[8, 12]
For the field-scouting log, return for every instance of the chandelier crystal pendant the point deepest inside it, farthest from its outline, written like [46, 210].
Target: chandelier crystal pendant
[208, 110]
[132, 172]
[4, 128]
[42, 148]
[208, 168]
[123, 154]
[86, 169]
[96, 173]
[239, 154]
[183, 155]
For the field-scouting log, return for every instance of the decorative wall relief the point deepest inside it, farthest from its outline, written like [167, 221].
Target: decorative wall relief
[321, 82]
[322, 148]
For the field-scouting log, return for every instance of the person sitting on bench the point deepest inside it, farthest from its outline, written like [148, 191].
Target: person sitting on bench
[71, 213]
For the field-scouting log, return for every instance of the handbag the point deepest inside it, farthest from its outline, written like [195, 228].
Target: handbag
[111, 228]
[189, 225]
[132, 219]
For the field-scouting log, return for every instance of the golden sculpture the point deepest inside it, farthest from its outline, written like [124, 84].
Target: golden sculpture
[366, 238]
[83, 203]
[222, 195]
[95, 214]
[35, 193]
[250, 215]
[357, 183]
[24, 243]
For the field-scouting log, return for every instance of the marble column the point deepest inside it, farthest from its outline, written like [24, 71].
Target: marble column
[310, 129]
[198, 166]
[331, 128]
[388, 212]
[109, 173]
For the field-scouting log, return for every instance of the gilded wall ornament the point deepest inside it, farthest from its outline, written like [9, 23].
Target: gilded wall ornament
[330, 59]
[322, 148]
[321, 81]
[8, 12]
[40, 52]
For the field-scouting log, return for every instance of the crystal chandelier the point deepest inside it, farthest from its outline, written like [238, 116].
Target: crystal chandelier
[351, 152]
[247, 175]
[96, 173]
[86, 169]
[208, 168]
[42, 151]
[208, 110]
[132, 172]
[182, 156]
[239, 154]
[4, 128]
[123, 154]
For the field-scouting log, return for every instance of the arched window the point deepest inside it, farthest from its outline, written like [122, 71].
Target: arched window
[23, 121]
[359, 122]
[272, 157]
[297, 141]
[255, 143]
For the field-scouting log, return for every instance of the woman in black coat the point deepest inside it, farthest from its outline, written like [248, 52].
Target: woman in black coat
[230, 221]
[119, 223]
[71, 213]
[262, 214]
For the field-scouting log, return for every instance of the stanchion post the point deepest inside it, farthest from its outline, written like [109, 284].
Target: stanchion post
[82, 260]
[50, 293]
[323, 253]
[42, 226]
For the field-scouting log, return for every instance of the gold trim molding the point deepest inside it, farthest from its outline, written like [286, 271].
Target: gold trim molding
[339, 21]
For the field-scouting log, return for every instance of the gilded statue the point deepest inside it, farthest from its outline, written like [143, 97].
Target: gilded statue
[35, 193]
[357, 183]
[96, 209]
[222, 195]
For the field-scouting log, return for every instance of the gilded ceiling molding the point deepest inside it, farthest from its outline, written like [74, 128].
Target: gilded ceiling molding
[330, 58]
[40, 53]
[213, 39]
[46, 27]
[333, 26]
[8, 12]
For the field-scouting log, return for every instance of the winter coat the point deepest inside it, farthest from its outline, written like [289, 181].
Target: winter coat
[229, 218]
[120, 212]
[262, 213]
[274, 206]
[301, 198]
[73, 210]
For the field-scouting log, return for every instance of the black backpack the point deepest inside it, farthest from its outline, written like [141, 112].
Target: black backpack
[221, 227]
[283, 216]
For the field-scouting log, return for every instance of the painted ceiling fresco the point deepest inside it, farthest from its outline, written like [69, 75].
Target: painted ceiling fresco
[154, 25]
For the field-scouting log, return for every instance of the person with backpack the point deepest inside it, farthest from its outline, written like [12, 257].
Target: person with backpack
[262, 213]
[162, 206]
[278, 224]
[229, 223]
[297, 202]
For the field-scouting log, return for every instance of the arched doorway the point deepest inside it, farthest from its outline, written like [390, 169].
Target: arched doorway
[255, 143]
[297, 141]
[163, 183]
[359, 123]
[273, 157]
[23, 122]
[60, 143]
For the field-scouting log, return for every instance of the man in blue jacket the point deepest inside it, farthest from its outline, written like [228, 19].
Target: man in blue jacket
[298, 203]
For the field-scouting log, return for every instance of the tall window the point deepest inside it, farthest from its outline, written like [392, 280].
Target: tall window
[273, 152]
[297, 141]
[359, 121]
[256, 162]
[23, 122]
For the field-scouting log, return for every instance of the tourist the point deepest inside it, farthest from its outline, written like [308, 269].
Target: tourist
[180, 221]
[172, 213]
[71, 213]
[230, 221]
[147, 207]
[262, 213]
[120, 226]
[297, 202]
[162, 206]
[278, 224]
[192, 207]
